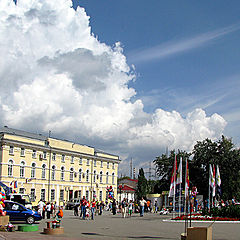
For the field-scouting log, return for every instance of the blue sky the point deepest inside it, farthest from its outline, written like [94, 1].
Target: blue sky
[127, 77]
[186, 54]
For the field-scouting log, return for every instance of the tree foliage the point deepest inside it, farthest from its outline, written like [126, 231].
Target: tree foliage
[164, 165]
[223, 154]
[142, 186]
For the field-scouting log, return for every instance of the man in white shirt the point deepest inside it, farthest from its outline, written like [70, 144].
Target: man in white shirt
[41, 205]
[142, 202]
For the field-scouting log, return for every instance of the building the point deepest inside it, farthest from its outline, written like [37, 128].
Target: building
[53, 169]
[127, 189]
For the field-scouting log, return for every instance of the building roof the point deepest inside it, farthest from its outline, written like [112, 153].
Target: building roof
[17, 132]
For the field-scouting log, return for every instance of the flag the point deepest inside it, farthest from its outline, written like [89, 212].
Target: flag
[11, 183]
[186, 180]
[15, 184]
[179, 177]
[214, 185]
[210, 176]
[218, 179]
[173, 179]
[179, 174]
[218, 182]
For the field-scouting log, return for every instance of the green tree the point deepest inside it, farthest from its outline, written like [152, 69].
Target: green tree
[164, 165]
[142, 185]
[223, 154]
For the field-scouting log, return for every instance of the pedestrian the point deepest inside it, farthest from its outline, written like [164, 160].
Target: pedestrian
[142, 202]
[101, 208]
[48, 208]
[124, 207]
[156, 206]
[114, 207]
[84, 207]
[93, 207]
[41, 205]
[76, 206]
[130, 208]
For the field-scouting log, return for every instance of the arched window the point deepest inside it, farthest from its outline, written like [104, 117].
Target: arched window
[94, 176]
[44, 171]
[107, 178]
[22, 164]
[80, 175]
[62, 173]
[53, 172]
[33, 170]
[71, 174]
[113, 179]
[101, 176]
[87, 175]
[10, 168]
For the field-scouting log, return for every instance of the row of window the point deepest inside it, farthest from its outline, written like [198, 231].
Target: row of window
[63, 157]
[61, 194]
[62, 174]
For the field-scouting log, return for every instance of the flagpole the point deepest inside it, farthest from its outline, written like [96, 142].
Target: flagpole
[174, 184]
[209, 190]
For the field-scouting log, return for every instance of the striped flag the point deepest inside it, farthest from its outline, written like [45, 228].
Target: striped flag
[186, 180]
[218, 179]
[173, 179]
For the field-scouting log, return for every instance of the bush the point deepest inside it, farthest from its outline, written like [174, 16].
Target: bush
[232, 211]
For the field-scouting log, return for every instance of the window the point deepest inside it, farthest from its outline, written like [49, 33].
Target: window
[101, 176]
[22, 169]
[80, 161]
[11, 150]
[44, 155]
[21, 190]
[71, 174]
[33, 170]
[53, 172]
[43, 194]
[88, 162]
[94, 176]
[32, 194]
[80, 194]
[63, 158]
[95, 163]
[107, 164]
[22, 152]
[61, 195]
[100, 195]
[72, 159]
[62, 173]
[107, 178]
[101, 164]
[87, 194]
[43, 171]
[113, 166]
[54, 156]
[80, 175]
[10, 168]
[34, 154]
[52, 195]
[87, 175]
[113, 180]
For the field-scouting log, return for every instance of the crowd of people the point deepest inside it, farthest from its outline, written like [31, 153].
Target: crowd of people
[87, 210]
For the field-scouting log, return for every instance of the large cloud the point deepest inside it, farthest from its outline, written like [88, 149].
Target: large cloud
[55, 75]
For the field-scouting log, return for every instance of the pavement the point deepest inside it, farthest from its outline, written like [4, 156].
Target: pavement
[107, 226]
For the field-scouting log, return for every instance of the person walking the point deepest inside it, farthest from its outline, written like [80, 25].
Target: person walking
[114, 206]
[41, 205]
[130, 208]
[124, 207]
[93, 208]
[49, 210]
[84, 205]
[142, 202]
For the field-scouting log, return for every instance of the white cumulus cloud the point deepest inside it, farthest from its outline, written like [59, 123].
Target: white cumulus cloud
[55, 75]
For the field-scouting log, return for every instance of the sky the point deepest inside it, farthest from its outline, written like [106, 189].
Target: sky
[133, 78]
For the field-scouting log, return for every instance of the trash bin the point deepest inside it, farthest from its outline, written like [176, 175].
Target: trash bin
[199, 233]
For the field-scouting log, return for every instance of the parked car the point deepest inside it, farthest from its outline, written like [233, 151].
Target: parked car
[17, 212]
[73, 202]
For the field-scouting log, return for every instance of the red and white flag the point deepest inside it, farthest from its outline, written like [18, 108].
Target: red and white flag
[186, 180]
[173, 179]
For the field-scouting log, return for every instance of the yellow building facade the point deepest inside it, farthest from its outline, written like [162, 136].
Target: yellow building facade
[53, 169]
